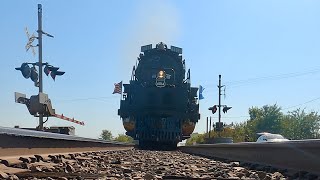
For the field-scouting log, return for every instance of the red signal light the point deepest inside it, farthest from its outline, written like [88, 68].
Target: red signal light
[213, 109]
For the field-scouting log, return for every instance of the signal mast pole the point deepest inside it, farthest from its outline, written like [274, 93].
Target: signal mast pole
[40, 59]
[219, 116]
[36, 77]
[219, 86]
[219, 125]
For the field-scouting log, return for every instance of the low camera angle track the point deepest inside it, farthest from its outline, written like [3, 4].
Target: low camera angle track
[27, 154]
[160, 90]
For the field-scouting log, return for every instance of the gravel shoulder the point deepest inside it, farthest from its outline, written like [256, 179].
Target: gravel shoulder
[132, 164]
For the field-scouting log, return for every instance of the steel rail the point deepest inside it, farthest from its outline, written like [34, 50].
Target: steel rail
[296, 155]
[15, 142]
[48, 135]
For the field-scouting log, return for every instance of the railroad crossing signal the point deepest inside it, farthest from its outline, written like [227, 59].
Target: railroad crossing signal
[213, 109]
[53, 71]
[40, 105]
[25, 70]
[68, 119]
[32, 38]
[218, 126]
[30, 41]
[225, 109]
[33, 74]
[37, 104]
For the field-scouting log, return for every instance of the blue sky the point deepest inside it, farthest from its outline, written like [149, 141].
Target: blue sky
[266, 51]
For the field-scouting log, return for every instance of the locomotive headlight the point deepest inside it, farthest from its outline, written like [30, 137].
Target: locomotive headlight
[161, 74]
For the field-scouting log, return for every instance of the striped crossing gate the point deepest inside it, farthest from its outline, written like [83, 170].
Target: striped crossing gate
[68, 119]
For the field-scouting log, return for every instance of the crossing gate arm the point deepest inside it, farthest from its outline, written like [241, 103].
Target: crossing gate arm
[68, 119]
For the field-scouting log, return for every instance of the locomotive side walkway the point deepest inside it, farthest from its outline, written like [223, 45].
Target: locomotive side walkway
[299, 155]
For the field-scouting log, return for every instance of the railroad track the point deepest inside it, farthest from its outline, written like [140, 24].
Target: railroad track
[26, 142]
[296, 156]
[27, 154]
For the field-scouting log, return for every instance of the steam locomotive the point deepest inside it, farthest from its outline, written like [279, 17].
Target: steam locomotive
[159, 106]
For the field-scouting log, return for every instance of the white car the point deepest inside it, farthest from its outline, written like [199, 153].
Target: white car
[268, 137]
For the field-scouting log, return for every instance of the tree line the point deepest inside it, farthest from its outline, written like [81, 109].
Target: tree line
[107, 135]
[294, 125]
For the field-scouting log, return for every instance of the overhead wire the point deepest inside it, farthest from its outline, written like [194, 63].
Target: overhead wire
[266, 78]
[275, 77]
[91, 98]
[309, 101]
[230, 84]
[312, 100]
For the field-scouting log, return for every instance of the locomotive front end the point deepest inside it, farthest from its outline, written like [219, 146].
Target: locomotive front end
[159, 105]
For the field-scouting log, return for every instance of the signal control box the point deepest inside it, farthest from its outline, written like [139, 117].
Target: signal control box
[219, 126]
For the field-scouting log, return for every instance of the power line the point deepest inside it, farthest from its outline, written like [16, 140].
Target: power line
[312, 100]
[275, 77]
[231, 84]
[85, 99]
[235, 117]
[302, 103]
[265, 78]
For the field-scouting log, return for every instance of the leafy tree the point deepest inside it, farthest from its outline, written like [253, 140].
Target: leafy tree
[300, 125]
[265, 119]
[296, 124]
[239, 132]
[123, 138]
[289, 127]
[236, 131]
[195, 138]
[106, 135]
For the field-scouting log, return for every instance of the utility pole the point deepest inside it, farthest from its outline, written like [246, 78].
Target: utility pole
[40, 59]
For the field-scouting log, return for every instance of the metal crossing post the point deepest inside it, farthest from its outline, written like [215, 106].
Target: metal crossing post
[210, 128]
[219, 116]
[207, 125]
[40, 100]
[40, 59]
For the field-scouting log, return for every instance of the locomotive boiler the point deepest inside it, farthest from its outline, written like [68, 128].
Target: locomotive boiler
[159, 106]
